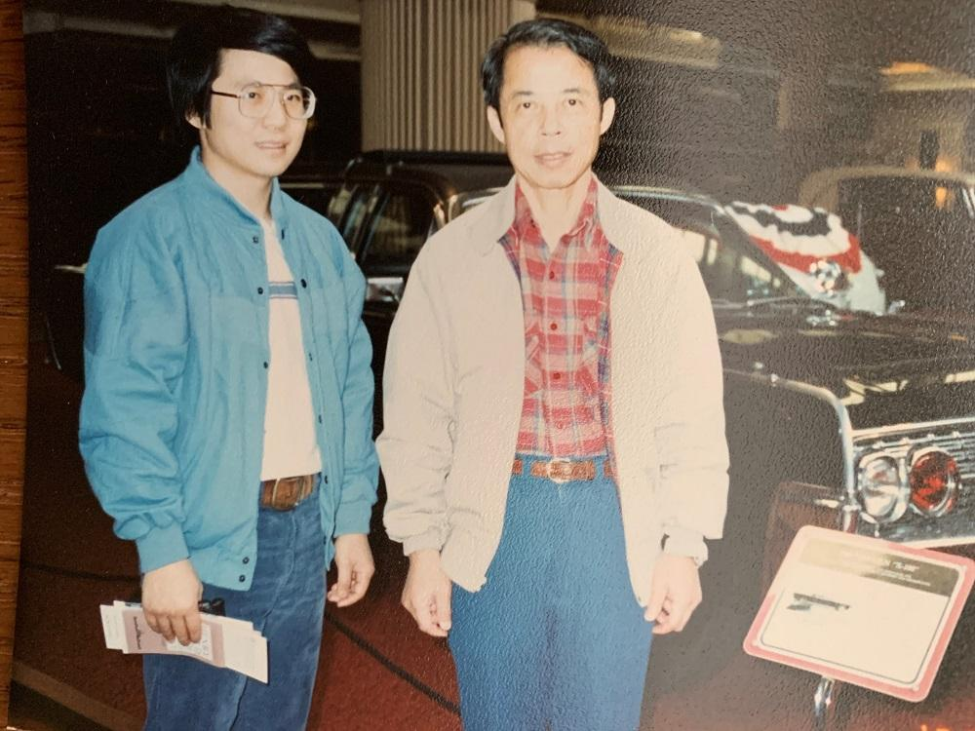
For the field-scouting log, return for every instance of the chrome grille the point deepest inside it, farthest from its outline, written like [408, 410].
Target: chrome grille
[959, 444]
[958, 441]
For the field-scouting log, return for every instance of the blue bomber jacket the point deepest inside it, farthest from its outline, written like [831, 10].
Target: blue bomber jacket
[176, 365]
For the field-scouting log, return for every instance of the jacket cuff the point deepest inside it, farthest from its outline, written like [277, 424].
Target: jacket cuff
[685, 542]
[161, 546]
[432, 539]
[353, 517]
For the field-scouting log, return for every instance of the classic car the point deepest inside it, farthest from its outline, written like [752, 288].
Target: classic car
[840, 419]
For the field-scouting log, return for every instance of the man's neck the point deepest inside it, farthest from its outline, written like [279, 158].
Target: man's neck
[556, 210]
[252, 192]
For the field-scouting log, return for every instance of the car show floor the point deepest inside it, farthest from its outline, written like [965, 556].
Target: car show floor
[376, 670]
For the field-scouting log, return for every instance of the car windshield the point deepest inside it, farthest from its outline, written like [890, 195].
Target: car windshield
[920, 232]
[735, 271]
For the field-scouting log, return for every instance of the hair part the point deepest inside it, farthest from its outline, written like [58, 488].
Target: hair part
[195, 54]
[547, 33]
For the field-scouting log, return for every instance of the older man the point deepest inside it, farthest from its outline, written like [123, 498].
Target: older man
[554, 444]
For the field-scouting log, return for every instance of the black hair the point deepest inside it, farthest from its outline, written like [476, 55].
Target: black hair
[545, 33]
[194, 56]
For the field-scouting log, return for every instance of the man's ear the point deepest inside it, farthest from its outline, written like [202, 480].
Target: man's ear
[608, 114]
[494, 122]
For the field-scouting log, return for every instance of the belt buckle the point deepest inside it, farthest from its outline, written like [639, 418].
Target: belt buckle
[556, 464]
[286, 500]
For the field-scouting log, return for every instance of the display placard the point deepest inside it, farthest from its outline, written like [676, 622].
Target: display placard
[862, 610]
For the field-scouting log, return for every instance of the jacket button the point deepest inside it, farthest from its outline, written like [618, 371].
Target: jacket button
[311, 357]
[241, 578]
[265, 364]
[304, 284]
[260, 290]
[256, 240]
[247, 559]
[319, 418]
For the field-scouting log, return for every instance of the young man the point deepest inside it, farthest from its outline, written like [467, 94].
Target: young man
[554, 444]
[226, 422]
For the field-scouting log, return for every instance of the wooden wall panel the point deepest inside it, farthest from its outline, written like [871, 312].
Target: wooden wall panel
[13, 323]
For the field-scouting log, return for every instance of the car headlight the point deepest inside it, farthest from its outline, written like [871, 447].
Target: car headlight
[883, 488]
[934, 482]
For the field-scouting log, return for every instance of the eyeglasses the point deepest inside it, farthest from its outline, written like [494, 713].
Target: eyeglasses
[256, 100]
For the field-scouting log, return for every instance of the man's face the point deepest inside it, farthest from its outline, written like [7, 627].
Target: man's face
[550, 116]
[236, 147]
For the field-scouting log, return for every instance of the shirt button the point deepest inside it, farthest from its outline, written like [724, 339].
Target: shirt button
[241, 578]
[256, 240]
[556, 376]
[319, 418]
[260, 290]
[265, 364]
[311, 357]
[247, 559]
[553, 326]
[560, 426]
[551, 274]
[304, 283]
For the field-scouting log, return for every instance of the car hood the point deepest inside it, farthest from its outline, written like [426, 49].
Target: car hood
[886, 370]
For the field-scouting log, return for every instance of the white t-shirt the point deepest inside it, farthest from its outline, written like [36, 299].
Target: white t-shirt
[290, 442]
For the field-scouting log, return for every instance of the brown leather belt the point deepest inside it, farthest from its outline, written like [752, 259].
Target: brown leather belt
[285, 493]
[561, 471]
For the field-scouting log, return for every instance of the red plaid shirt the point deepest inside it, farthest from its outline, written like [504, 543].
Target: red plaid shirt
[566, 299]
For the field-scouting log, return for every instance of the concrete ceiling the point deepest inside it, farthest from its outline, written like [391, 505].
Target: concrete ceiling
[791, 33]
[871, 33]
[331, 26]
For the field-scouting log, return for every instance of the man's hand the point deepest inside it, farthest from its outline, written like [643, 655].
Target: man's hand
[170, 595]
[426, 594]
[353, 558]
[674, 595]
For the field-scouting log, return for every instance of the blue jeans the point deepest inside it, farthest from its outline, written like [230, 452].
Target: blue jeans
[555, 639]
[286, 603]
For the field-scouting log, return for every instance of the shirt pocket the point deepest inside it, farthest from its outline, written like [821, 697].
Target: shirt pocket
[533, 362]
[587, 372]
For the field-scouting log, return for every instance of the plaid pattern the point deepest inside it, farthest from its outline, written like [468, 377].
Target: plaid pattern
[565, 292]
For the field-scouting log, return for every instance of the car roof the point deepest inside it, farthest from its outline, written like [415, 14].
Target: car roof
[445, 173]
[816, 188]
[890, 171]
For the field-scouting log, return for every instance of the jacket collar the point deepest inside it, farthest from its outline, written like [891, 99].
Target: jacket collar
[208, 191]
[498, 212]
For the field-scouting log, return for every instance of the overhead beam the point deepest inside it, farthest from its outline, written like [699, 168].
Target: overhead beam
[332, 32]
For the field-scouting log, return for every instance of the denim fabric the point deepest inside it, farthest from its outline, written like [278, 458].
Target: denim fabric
[555, 639]
[286, 603]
